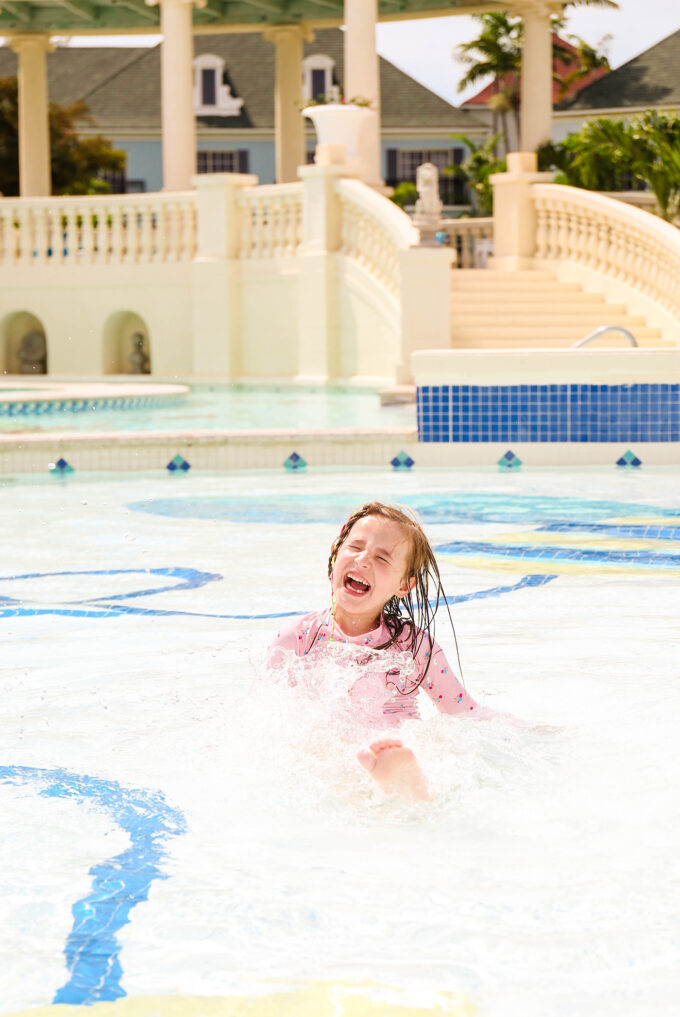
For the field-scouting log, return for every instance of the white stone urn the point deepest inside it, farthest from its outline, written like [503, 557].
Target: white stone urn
[339, 123]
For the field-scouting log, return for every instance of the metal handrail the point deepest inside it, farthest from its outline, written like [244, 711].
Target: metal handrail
[601, 331]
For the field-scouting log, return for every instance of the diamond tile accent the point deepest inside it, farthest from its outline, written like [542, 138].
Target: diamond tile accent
[294, 462]
[178, 463]
[509, 461]
[402, 461]
[629, 459]
[60, 468]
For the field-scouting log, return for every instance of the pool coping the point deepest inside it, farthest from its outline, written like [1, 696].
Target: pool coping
[204, 449]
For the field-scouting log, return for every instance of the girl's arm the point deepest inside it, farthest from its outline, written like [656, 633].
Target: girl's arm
[442, 686]
[296, 634]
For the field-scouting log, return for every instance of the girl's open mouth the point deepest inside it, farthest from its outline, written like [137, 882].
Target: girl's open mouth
[356, 585]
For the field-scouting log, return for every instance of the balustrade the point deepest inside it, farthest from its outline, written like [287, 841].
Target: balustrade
[373, 232]
[472, 240]
[100, 230]
[271, 221]
[617, 240]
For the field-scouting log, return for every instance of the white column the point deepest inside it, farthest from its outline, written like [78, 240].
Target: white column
[289, 133]
[537, 80]
[362, 75]
[35, 176]
[177, 105]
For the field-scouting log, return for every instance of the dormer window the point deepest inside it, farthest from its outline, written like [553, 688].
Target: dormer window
[208, 87]
[317, 78]
[212, 97]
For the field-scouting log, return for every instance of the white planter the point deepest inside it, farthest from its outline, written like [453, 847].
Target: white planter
[342, 124]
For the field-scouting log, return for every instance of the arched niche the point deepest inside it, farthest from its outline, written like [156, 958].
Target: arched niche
[23, 344]
[126, 344]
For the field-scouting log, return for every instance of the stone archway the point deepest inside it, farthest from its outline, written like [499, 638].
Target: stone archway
[23, 344]
[126, 344]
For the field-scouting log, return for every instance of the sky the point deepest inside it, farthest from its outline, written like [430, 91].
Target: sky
[424, 47]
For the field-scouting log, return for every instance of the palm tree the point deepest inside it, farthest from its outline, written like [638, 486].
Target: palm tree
[497, 53]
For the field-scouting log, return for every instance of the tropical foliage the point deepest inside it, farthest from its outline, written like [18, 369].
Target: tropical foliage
[610, 155]
[477, 168]
[76, 162]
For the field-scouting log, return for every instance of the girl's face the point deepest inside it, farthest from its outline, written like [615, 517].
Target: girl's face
[370, 568]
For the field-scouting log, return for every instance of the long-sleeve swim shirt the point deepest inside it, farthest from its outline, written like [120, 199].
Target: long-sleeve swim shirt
[388, 695]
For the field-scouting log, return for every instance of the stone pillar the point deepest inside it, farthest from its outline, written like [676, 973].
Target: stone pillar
[289, 130]
[514, 212]
[178, 122]
[216, 283]
[35, 177]
[537, 81]
[425, 304]
[319, 353]
[362, 77]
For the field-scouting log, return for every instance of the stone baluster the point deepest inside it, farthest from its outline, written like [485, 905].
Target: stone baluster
[40, 235]
[146, 239]
[174, 235]
[26, 235]
[191, 231]
[117, 238]
[541, 229]
[87, 234]
[602, 243]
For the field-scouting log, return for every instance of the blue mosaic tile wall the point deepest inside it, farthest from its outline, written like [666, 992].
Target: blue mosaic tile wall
[647, 412]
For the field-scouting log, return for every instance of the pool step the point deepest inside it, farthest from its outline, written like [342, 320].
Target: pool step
[492, 309]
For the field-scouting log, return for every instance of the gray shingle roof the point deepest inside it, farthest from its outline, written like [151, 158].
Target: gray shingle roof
[650, 79]
[122, 85]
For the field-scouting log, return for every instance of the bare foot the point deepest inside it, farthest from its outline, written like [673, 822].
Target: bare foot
[396, 769]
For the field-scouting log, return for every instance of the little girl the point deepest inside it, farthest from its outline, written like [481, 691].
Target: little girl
[383, 574]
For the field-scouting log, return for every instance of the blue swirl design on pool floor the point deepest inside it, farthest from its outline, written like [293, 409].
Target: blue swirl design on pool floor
[10, 607]
[92, 949]
[432, 508]
[548, 553]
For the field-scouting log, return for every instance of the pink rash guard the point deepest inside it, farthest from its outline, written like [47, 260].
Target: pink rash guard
[379, 699]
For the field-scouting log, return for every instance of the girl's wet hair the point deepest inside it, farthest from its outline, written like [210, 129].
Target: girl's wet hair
[411, 616]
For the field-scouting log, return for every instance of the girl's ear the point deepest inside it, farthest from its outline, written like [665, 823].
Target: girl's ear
[406, 586]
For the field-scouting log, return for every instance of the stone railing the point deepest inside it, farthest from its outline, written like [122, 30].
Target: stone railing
[373, 231]
[606, 236]
[471, 239]
[102, 230]
[271, 221]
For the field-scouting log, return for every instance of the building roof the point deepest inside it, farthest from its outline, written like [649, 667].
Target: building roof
[561, 70]
[650, 79]
[122, 85]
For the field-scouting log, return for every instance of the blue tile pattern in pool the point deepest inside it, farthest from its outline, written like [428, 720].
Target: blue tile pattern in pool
[119, 884]
[40, 407]
[545, 413]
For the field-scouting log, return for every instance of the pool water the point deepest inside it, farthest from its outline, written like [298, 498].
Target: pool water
[176, 823]
[231, 407]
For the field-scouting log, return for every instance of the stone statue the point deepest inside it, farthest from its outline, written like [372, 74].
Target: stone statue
[139, 360]
[32, 353]
[428, 206]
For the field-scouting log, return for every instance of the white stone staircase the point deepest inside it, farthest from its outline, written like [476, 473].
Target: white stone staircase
[493, 309]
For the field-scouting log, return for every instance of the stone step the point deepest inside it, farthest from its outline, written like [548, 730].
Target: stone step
[537, 343]
[486, 274]
[557, 331]
[511, 298]
[584, 317]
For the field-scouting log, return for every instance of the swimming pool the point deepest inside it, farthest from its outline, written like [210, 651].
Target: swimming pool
[177, 826]
[209, 407]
